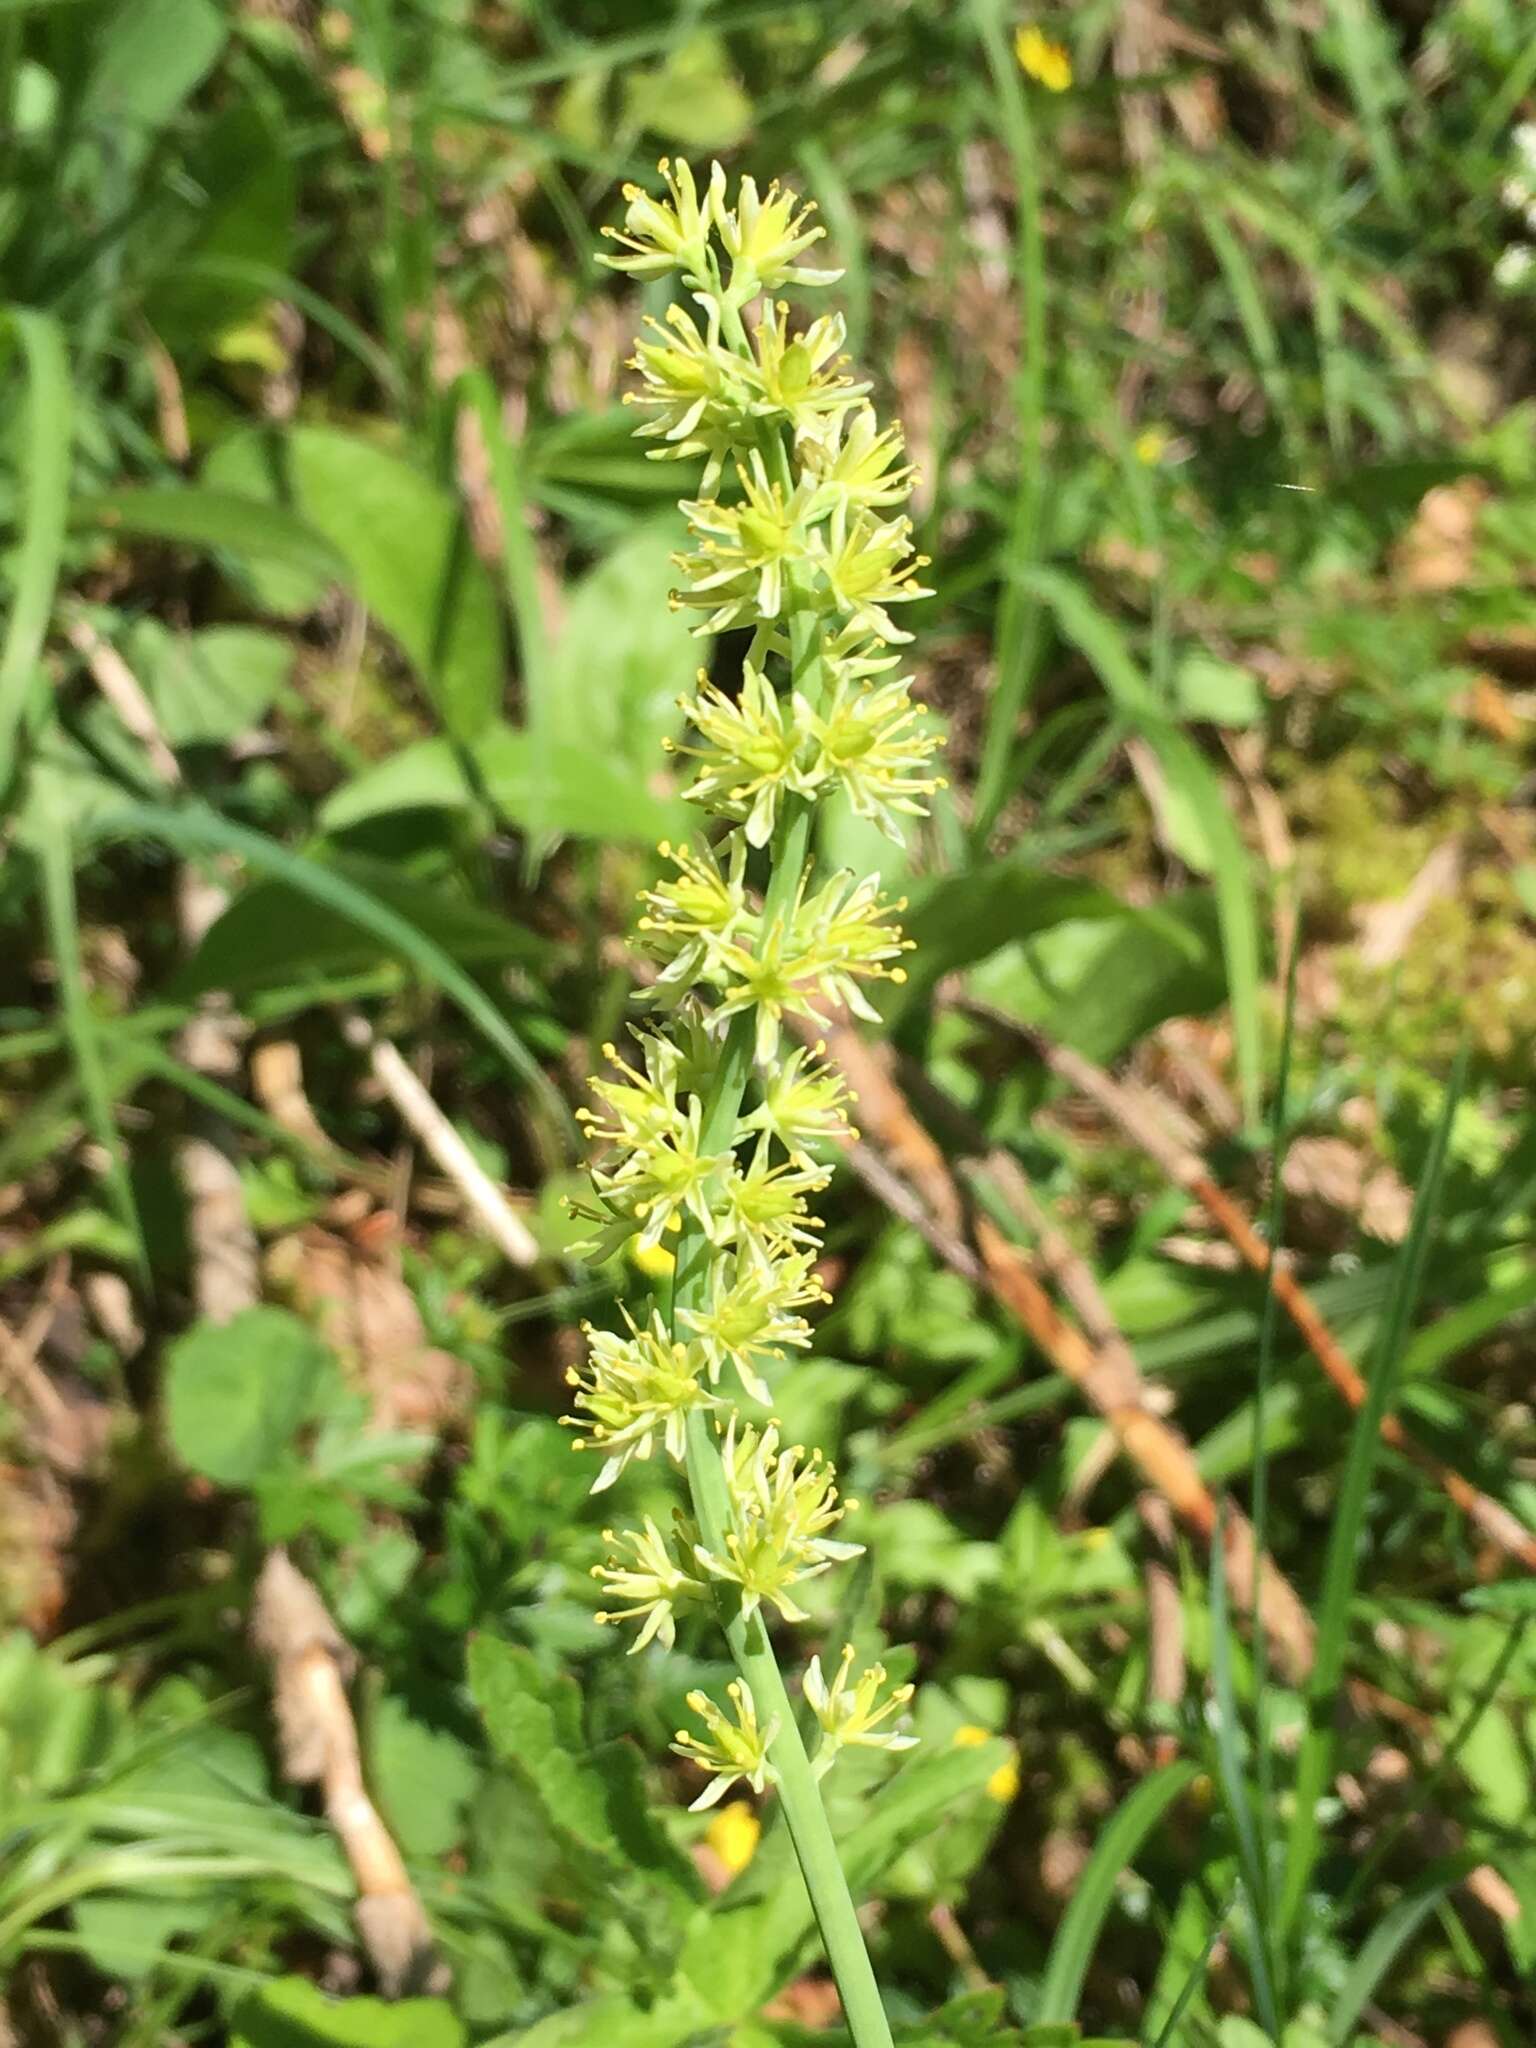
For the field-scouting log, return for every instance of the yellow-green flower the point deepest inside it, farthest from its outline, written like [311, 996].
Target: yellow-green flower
[728, 1749]
[765, 238]
[738, 571]
[635, 1393]
[753, 1313]
[659, 235]
[750, 757]
[783, 1504]
[850, 1711]
[651, 1585]
[798, 534]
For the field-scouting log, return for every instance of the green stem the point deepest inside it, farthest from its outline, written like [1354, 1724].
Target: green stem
[1019, 633]
[809, 1828]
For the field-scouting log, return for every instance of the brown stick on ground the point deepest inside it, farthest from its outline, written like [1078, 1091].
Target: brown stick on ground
[317, 1737]
[1139, 1120]
[931, 1199]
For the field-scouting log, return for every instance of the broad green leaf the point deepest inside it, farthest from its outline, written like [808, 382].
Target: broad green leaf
[213, 520]
[125, 1935]
[149, 56]
[407, 556]
[595, 733]
[615, 2022]
[248, 467]
[564, 788]
[208, 688]
[596, 1797]
[428, 775]
[967, 917]
[1222, 691]
[244, 172]
[412, 564]
[693, 99]
[1098, 983]
[274, 935]
[422, 1778]
[294, 2013]
[236, 1393]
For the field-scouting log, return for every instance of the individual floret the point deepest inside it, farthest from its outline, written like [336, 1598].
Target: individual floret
[867, 564]
[856, 462]
[739, 572]
[850, 1714]
[659, 235]
[635, 1392]
[652, 1584]
[747, 759]
[754, 1313]
[800, 376]
[783, 1505]
[873, 744]
[729, 1749]
[765, 238]
[701, 395]
[803, 1103]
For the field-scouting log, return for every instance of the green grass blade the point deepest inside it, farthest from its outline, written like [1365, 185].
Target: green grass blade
[1250, 1849]
[1242, 282]
[1018, 637]
[62, 917]
[1190, 775]
[194, 829]
[44, 507]
[1314, 1763]
[1189, 1990]
[1424, 1794]
[1076, 1938]
[1365, 52]
[846, 234]
[1263, 1390]
[1396, 1927]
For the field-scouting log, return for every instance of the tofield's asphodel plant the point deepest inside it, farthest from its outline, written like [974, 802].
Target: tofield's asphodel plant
[712, 1137]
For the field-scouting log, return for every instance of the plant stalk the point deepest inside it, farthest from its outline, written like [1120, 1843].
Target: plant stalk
[806, 1816]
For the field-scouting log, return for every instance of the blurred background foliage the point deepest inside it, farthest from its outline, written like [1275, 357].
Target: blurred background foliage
[335, 676]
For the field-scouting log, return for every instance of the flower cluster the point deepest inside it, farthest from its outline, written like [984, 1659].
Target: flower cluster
[799, 534]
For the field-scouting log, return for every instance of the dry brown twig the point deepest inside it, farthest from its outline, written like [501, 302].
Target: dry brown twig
[485, 1201]
[317, 1737]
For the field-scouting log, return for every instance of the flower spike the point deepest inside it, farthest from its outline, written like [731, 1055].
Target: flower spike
[716, 1128]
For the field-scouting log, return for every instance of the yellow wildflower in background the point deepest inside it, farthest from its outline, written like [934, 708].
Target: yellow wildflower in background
[1003, 1785]
[734, 1834]
[1048, 63]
